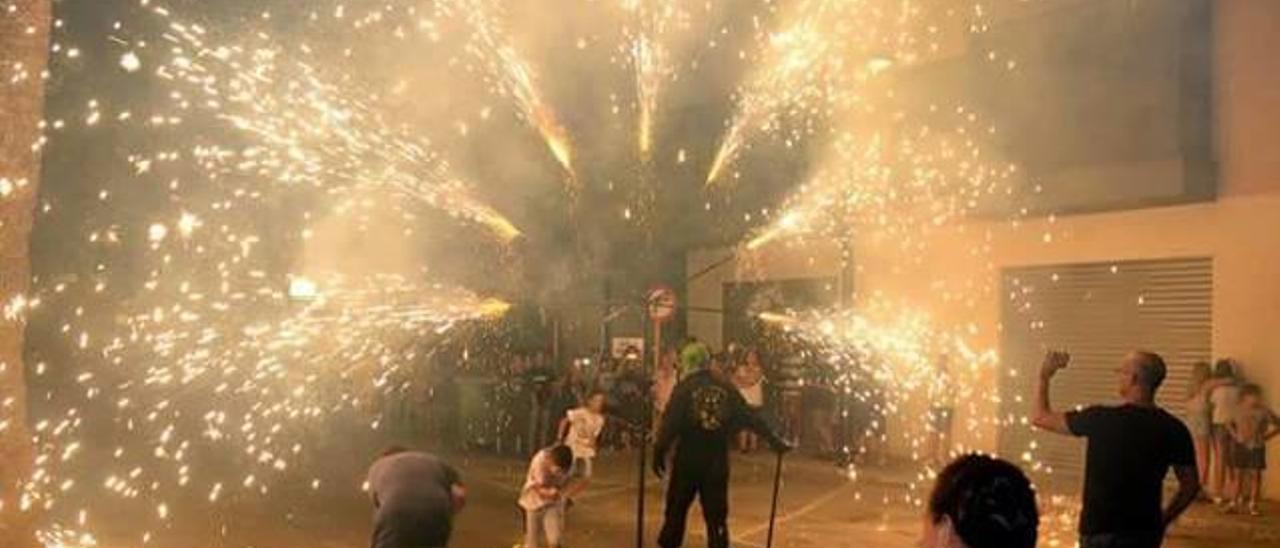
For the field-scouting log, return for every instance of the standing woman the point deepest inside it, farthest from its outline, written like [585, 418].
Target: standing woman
[749, 378]
[1223, 396]
[1199, 416]
[664, 382]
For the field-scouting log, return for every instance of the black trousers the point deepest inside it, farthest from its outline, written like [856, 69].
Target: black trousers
[705, 477]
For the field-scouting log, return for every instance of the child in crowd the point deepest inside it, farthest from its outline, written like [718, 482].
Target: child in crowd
[1253, 426]
[580, 430]
[543, 497]
[664, 382]
[749, 379]
[1223, 398]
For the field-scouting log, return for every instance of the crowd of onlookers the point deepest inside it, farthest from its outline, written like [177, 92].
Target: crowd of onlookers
[1215, 449]
[512, 403]
[1230, 424]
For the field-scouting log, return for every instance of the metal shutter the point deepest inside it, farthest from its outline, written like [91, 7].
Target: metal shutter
[1098, 312]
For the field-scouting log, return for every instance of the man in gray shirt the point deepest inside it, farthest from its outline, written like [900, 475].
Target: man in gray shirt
[415, 496]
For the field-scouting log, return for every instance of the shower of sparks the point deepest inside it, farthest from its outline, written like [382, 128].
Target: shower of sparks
[900, 361]
[894, 356]
[794, 74]
[926, 174]
[512, 74]
[651, 62]
[221, 349]
[242, 376]
[818, 63]
[303, 128]
[210, 347]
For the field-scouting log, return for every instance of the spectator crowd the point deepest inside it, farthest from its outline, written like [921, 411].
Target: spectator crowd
[700, 404]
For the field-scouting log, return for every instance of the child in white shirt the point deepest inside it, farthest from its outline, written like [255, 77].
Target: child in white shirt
[543, 497]
[580, 430]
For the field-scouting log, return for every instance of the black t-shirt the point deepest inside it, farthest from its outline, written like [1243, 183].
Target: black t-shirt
[1131, 449]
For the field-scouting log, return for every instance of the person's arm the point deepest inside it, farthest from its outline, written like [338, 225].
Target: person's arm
[562, 431]
[1207, 388]
[457, 491]
[372, 486]
[1188, 489]
[670, 426]
[541, 477]
[1045, 417]
[458, 495]
[548, 491]
[1182, 452]
[1273, 426]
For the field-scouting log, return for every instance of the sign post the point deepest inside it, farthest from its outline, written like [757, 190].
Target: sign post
[661, 307]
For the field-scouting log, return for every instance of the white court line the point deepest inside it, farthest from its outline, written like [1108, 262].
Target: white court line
[592, 494]
[740, 538]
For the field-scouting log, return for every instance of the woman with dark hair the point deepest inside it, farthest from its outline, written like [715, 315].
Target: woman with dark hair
[981, 502]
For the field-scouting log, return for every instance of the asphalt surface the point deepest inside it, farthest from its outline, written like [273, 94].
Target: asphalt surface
[820, 506]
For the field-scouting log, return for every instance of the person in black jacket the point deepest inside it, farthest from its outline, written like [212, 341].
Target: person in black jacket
[704, 415]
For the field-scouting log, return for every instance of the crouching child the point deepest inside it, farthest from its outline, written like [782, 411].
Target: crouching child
[544, 495]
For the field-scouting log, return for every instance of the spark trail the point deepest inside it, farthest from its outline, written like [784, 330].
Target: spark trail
[922, 174]
[302, 127]
[816, 66]
[512, 75]
[655, 21]
[197, 344]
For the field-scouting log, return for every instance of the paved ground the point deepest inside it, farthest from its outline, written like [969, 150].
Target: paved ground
[819, 508]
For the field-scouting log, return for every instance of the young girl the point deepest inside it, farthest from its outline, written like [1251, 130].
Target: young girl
[1254, 425]
[580, 430]
[664, 382]
[1223, 397]
[1199, 416]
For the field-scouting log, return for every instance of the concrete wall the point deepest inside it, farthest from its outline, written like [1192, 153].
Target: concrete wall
[957, 277]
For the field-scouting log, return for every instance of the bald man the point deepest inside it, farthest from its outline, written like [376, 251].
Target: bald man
[1131, 448]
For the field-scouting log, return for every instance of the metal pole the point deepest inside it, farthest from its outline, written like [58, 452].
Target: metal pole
[646, 425]
[644, 449]
[773, 509]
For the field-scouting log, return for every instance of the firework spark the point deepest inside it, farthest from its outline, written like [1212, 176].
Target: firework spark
[930, 172]
[655, 20]
[210, 346]
[304, 129]
[513, 75]
[817, 65]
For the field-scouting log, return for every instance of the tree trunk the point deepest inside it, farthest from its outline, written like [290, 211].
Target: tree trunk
[24, 51]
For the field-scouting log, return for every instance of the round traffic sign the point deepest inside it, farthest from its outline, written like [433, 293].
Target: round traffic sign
[662, 303]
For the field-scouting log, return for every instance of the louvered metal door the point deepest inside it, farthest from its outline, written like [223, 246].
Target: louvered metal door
[1098, 312]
